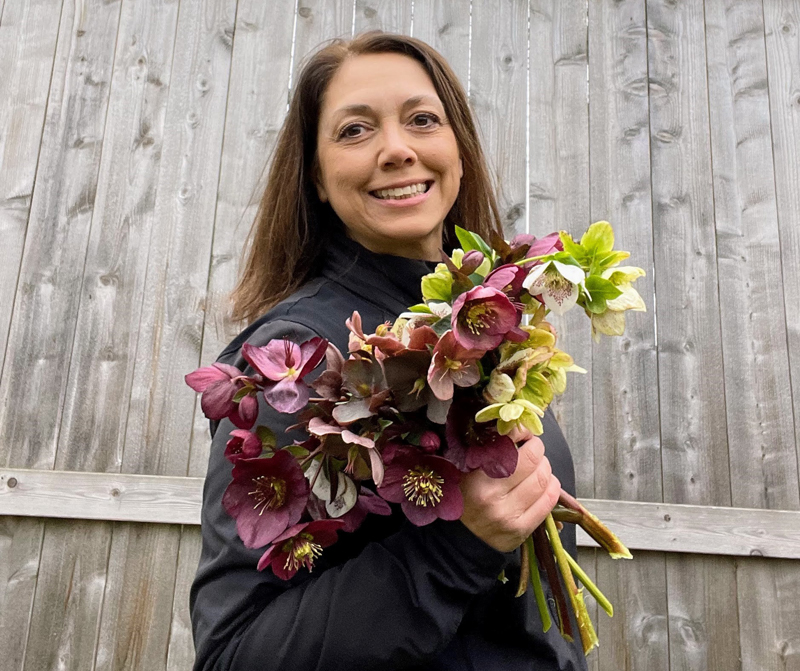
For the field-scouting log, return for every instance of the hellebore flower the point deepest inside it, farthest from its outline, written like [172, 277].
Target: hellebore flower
[518, 413]
[357, 449]
[298, 546]
[508, 279]
[285, 364]
[368, 502]
[242, 445]
[549, 244]
[266, 496]
[425, 486]
[612, 321]
[452, 364]
[472, 445]
[557, 283]
[220, 383]
[483, 317]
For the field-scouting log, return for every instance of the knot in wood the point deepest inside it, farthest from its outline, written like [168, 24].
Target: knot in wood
[12, 482]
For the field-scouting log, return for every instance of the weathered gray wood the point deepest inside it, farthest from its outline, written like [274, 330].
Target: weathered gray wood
[176, 500]
[28, 33]
[782, 35]
[135, 623]
[763, 459]
[497, 97]
[259, 85]
[762, 434]
[317, 22]
[636, 637]
[20, 542]
[391, 16]
[587, 558]
[108, 322]
[445, 26]
[768, 599]
[558, 148]
[624, 370]
[691, 384]
[32, 388]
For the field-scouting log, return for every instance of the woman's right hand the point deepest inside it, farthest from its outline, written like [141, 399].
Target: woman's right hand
[503, 512]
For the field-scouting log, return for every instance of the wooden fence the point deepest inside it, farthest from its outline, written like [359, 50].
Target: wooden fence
[133, 136]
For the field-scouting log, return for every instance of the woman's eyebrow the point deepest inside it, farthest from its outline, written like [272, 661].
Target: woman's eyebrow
[366, 110]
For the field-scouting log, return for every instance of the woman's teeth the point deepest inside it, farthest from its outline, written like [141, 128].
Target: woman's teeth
[401, 194]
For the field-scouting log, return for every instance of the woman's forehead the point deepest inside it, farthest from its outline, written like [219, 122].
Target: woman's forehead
[373, 81]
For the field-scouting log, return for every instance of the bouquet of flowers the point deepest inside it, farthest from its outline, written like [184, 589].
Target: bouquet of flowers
[440, 392]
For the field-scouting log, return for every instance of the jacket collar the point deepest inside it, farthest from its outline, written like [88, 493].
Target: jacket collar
[391, 282]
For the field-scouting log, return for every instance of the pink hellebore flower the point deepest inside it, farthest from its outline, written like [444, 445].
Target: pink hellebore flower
[425, 486]
[266, 496]
[368, 502]
[298, 546]
[285, 364]
[219, 383]
[483, 317]
[508, 279]
[452, 364]
[242, 445]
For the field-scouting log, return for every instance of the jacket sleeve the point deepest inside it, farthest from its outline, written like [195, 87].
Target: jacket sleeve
[396, 604]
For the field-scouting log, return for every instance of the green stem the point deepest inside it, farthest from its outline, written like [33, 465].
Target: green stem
[588, 635]
[601, 599]
[524, 561]
[545, 558]
[595, 528]
[538, 591]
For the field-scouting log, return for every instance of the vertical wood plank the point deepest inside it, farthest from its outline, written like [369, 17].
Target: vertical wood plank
[558, 149]
[40, 337]
[391, 16]
[108, 321]
[137, 610]
[445, 26]
[317, 22]
[497, 95]
[624, 370]
[762, 439]
[28, 35]
[691, 384]
[782, 35]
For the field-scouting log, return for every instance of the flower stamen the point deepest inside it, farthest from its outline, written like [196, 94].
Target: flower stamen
[423, 486]
[302, 552]
[269, 494]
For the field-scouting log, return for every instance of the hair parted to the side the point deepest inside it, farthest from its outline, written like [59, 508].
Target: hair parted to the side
[292, 226]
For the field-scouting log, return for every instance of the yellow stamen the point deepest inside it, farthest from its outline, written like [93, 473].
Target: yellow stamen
[423, 486]
[269, 494]
[302, 552]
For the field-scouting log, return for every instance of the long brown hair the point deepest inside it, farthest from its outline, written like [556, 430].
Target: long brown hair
[292, 226]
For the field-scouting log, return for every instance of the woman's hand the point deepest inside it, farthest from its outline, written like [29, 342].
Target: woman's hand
[503, 512]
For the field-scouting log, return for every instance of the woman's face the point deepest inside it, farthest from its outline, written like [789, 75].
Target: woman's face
[382, 127]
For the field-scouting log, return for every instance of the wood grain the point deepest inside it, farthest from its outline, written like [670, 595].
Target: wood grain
[391, 16]
[28, 34]
[445, 26]
[497, 96]
[558, 149]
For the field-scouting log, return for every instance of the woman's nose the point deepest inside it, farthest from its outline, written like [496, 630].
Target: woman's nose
[396, 150]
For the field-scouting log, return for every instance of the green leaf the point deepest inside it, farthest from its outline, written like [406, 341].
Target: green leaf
[266, 436]
[297, 451]
[470, 241]
[244, 391]
[574, 249]
[420, 307]
[598, 239]
[442, 326]
[604, 261]
[600, 288]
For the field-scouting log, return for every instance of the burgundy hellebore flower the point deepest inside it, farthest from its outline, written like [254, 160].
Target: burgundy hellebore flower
[472, 445]
[299, 546]
[452, 364]
[483, 317]
[508, 279]
[285, 364]
[266, 496]
[549, 244]
[425, 486]
[242, 445]
[219, 383]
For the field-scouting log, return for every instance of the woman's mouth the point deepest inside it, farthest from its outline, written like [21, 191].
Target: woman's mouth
[411, 192]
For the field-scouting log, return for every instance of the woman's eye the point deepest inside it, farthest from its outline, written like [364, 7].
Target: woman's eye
[351, 131]
[425, 120]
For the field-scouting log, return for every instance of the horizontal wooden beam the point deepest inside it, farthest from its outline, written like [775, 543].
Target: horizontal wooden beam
[665, 527]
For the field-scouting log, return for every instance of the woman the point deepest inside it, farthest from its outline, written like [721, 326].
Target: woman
[377, 160]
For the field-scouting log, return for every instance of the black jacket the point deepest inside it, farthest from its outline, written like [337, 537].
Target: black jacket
[391, 595]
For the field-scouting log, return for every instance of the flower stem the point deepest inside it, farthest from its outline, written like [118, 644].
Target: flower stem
[536, 579]
[588, 635]
[595, 528]
[545, 558]
[580, 574]
[524, 562]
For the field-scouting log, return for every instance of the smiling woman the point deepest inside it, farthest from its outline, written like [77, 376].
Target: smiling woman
[377, 161]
